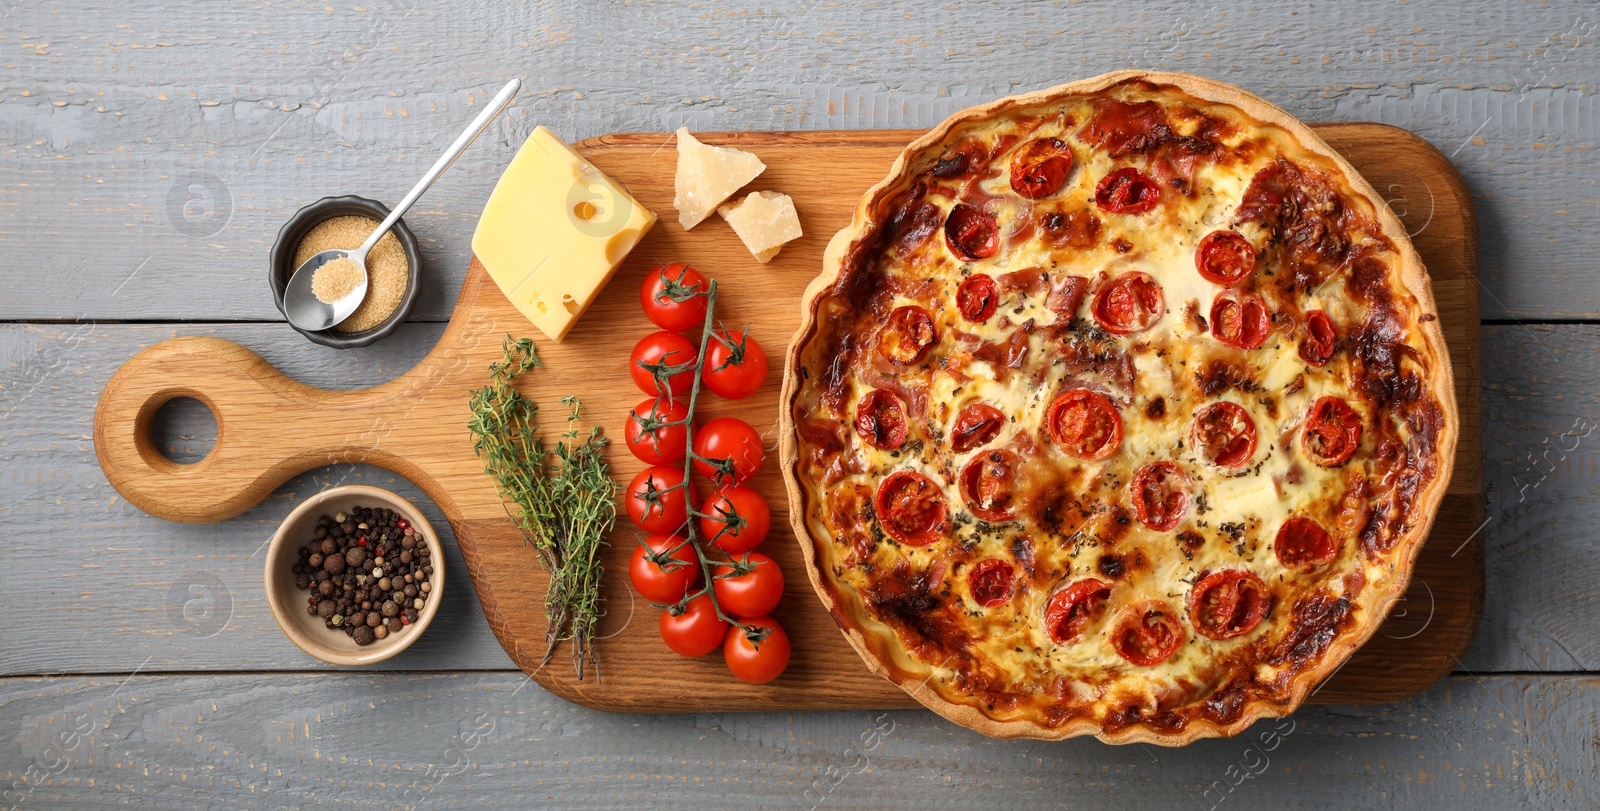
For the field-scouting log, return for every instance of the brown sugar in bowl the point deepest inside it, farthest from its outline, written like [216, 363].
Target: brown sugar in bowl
[282, 265]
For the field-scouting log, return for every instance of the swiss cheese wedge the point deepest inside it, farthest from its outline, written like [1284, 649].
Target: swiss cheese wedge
[554, 231]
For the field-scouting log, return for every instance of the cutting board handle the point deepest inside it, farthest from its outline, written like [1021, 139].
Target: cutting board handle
[269, 428]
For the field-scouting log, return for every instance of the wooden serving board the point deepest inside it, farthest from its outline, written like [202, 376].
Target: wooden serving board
[271, 428]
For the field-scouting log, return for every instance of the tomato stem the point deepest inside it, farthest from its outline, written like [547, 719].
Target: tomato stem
[691, 535]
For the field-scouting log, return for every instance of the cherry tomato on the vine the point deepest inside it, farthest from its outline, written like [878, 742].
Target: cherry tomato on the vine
[736, 519]
[660, 350]
[756, 661]
[653, 442]
[696, 631]
[674, 297]
[663, 568]
[729, 451]
[753, 593]
[656, 500]
[735, 365]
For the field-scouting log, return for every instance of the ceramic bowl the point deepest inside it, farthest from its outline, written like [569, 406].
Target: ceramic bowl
[282, 267]
[288, 603]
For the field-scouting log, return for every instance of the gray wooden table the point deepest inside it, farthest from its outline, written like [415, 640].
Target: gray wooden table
[148, 154]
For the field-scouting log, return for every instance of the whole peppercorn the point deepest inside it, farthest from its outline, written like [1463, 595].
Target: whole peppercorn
[325, 609]
[409, 543]
[389, 609]
[410, 590]
[334, 564]
[362, 635]
[315, 560]
[381, 631]
[395, 624]
[328, 546]
[356, 556]
[349, 527]
[385, 585]
[325, 588]
[407, 556]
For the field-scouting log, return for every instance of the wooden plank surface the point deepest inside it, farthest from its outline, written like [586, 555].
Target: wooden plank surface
[129, 571]
[414, 426]
[357, 741]
[106, 112]
[241, 116]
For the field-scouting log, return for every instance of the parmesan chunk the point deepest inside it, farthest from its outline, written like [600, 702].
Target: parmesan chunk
[708, 175]
[765, 220]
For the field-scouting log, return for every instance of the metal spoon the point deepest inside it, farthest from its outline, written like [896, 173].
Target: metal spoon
[303, 307]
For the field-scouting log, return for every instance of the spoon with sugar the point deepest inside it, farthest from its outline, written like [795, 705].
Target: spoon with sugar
[327, 288]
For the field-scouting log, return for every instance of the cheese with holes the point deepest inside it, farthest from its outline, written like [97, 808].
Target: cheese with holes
[554, 231]
[708, 175]
[765, 220]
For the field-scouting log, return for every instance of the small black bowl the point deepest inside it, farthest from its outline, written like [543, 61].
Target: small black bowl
[311, 216]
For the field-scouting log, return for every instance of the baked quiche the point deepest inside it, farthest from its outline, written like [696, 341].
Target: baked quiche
[1120, 408]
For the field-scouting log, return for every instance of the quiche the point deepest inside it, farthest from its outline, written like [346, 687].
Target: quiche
[1120, 408]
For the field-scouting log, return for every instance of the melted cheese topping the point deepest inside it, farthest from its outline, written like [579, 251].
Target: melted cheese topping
[1075, 518]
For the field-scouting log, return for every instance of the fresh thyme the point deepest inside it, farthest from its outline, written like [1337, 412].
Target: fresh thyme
[564, 497]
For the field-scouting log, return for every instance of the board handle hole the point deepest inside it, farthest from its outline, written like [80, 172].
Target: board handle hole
[184, 430]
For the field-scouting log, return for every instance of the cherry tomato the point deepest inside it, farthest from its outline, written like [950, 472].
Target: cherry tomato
[1228, 604]
[881, 420]
[752, 594]
[976, 425]
[1085, 424]
[1161, 495]
[1321, 341]
[1147, 634]
[1040, 167]
[663, 349]
[1240, 321]
[1070, 610]
[1224, 434]
[1332, 432]
[1225, 258]
[695, 632]
[971, 233]
[1302, 543]
[736, 519]
[1132, 302]
[733, 448]
[663, 567]
[756, 661]
[735, 365]
[674, 297]
[652, 442]
[906, 338]
[655, 500]
[992, 582]
[987, 483]
[1127, 191]
[977, 298]
[911, 508]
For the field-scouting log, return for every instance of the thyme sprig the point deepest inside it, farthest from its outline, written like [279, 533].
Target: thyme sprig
[564, 497]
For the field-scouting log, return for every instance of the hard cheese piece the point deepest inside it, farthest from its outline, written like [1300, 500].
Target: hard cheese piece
[708, 175]
[554, 231]
[765, 220]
